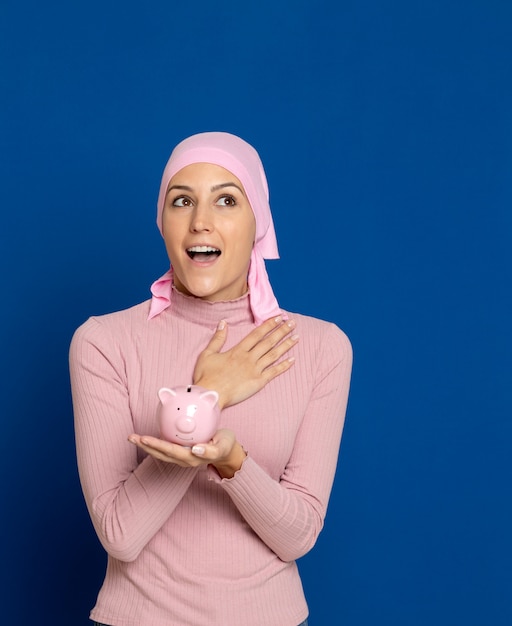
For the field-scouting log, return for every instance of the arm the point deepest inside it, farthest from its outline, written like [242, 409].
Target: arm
[128, 500]
[288, 514]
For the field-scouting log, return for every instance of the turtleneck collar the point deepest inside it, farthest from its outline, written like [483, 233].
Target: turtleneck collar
[206, 313]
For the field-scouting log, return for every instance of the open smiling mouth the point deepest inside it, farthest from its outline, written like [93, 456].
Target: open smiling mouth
[203, 253]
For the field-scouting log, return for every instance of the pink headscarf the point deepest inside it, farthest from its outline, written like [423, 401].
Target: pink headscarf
[242, 160]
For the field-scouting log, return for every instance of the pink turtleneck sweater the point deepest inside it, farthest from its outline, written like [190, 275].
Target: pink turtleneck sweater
[186, 548]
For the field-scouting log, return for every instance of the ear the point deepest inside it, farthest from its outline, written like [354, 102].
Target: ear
[210, 396]
[165, 394]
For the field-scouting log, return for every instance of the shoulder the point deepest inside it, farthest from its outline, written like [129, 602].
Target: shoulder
[113, 326]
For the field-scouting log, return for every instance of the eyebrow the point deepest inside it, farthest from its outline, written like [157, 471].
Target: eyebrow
[214, 188]
[223, 185]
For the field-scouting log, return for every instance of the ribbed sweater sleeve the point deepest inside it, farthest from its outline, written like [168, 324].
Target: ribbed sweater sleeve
[128, 499]
[288, 514]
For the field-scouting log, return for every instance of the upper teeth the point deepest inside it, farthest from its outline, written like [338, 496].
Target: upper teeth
[202, 249]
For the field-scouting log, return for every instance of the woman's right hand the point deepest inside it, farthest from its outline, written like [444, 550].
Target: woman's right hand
[240, 372]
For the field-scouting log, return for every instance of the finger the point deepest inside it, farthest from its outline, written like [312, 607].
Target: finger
[261, 331]
[217, 448]
[275, 353]
[205, 451]
[277, 369]
[219, 338]
[273, 340]
[161, 449]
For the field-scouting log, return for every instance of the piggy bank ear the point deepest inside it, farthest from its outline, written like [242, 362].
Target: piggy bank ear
[166, 394]
[210, 396]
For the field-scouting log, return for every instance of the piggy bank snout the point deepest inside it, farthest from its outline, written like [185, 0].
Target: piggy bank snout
[186, 424]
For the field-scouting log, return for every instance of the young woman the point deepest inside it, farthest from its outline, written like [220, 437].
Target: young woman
[209, 534]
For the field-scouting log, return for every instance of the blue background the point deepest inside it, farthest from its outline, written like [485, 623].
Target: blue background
[386, 132]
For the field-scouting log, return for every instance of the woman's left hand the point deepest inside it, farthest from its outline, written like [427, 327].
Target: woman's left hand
[223, 452]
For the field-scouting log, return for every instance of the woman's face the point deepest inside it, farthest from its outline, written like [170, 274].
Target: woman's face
[209, 229]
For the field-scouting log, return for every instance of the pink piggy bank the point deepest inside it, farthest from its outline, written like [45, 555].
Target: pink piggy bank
[188, 415]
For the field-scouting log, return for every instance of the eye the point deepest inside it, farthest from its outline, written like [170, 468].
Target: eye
[226, 201]
[182, 201]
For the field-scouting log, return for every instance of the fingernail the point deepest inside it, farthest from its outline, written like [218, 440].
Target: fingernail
[221, 325]
[198, 450]
[291, 324]
[278, 319]
[132, 440]
[295, 337]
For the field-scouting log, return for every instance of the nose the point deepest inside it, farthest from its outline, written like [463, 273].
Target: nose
[201, 220]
